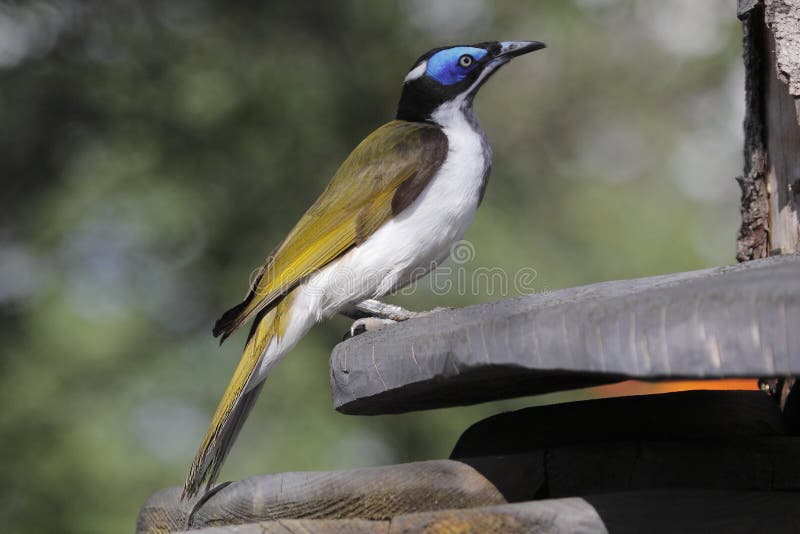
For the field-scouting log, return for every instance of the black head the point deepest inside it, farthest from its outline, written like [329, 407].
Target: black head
[455, 72]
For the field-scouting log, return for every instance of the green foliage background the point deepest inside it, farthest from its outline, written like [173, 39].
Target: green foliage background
[152, 153]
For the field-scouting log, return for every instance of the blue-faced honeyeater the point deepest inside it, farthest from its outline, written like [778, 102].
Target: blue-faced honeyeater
[392, 211]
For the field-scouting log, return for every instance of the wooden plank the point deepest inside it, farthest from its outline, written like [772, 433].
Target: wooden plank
[735, 321]
[696, 439]
[374, 493]
[163, 512]
[683, 415]
[771, 182]
[302, 526]
[636, 466]
[753, 239]
[701, 512]
[755, 464]
[557, 516]
[747, 462]
[782, 102]
[518, 477]
[687, 512]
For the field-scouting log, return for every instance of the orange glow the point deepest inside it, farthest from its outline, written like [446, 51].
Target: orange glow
[638, 387]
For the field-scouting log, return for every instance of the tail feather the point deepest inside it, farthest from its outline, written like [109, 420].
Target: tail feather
[234, 407]
[230, 320]
[233, 318]
[240, 415]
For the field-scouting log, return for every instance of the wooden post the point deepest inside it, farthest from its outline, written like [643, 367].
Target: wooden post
[771, 181]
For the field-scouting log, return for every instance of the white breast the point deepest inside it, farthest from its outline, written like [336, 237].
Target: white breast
[416, 240]
[405, 247]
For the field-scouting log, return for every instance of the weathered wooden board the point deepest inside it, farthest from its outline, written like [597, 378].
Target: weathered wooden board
[686, 415]
[587, 448]
[164, 512]
[752, 464]
[770, 204]
[302, 526]
[753, 241]
[700, 512]
[707, 464]
[370, 493]
[782, 101]
[620, 513]
[698, 439]
[655, 512]
[732, 321]
[556, 516]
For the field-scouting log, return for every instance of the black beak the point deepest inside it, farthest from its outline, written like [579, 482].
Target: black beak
[509, 49]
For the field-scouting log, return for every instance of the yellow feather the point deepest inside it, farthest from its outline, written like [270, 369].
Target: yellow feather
[355, 204]
[358, 200]
[271, 327]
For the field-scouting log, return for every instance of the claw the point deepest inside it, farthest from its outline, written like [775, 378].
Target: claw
[367, 323]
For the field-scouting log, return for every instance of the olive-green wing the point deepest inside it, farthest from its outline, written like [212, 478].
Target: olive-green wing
[381, 177]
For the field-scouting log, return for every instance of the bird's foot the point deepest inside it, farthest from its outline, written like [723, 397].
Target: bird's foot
[383, 310]
[364, 324]
[379, 314]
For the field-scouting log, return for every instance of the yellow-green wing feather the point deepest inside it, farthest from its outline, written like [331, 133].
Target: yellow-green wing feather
[381, 176]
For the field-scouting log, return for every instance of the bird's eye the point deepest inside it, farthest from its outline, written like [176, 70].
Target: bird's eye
[465, 60]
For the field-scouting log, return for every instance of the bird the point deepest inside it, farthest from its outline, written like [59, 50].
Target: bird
[392, 211]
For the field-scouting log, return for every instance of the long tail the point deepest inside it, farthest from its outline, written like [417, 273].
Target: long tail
[237, 401]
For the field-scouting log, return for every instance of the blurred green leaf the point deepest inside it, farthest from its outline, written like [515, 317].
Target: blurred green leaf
[152, 153]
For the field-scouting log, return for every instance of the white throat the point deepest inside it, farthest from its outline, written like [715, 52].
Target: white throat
[454, 113]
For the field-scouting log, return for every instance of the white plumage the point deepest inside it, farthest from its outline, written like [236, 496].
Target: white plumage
[430, 211]
[407, 246]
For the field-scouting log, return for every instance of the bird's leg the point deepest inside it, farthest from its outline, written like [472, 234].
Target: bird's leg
[384, 310]
[371, 314]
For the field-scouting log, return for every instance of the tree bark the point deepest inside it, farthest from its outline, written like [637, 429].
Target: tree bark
[771, 180]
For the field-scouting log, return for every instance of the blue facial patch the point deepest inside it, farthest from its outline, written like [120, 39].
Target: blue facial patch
[444, 66]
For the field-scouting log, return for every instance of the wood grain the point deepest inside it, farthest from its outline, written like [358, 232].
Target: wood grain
[736, 321]
[302, 526]
[771, 180]
[783, 133]
[654, 512]
[752, 241]
[375, 493]
[557, 516]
